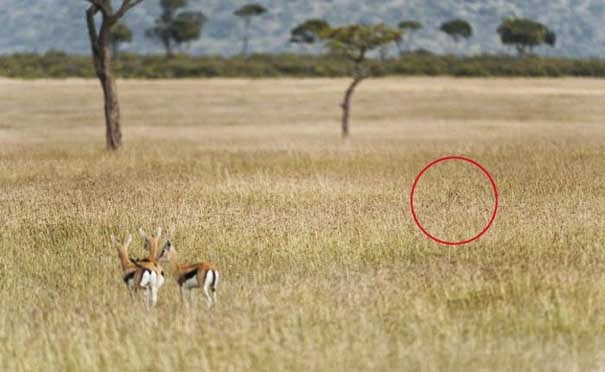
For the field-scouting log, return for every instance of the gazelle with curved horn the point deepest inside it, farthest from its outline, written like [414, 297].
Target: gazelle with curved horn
[199, 275]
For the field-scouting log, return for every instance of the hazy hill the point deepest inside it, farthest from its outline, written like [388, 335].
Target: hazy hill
[39, 25]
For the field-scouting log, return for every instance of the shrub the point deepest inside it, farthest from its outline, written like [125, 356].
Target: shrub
[57, 64]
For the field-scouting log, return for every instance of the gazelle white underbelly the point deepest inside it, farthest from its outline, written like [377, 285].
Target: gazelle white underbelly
[191, 282]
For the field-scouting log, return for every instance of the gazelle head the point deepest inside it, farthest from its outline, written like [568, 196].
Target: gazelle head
[168, 252]
[151, 242]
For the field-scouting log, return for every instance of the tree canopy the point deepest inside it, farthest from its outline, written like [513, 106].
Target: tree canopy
[187, 26]
[457, 29]
[309, 31]
[250, 10]
[119, 34]
[409, 25]
[355, 41]
[176, 28]
[525, 34]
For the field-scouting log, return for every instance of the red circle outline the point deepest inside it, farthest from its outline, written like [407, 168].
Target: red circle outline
[489, 177]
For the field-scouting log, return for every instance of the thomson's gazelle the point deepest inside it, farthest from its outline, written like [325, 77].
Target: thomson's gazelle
[199, 275]
[149, 275]
[127, 263]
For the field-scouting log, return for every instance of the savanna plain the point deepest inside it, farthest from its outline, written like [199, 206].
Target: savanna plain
[322, 265]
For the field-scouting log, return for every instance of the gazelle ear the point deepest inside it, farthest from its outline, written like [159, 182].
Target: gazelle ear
[114, 240]
[128, 240]
[165, 249]
[142, 233]
[158, 233]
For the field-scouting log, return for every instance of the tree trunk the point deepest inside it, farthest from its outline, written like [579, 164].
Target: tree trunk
[102, 62]
[346, 106]
[246, 36]
[167, 47]
[113, 133]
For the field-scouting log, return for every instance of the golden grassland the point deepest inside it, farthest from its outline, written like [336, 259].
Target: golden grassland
[322, 266]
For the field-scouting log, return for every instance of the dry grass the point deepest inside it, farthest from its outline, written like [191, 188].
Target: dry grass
[323, 268]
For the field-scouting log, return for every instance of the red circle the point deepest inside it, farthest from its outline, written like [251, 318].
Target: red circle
[489, 177]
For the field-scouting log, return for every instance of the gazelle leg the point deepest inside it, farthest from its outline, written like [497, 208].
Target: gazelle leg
[214, 296]
[182, 295]
[145, 283]
[154, 295]
[146, 298]
[191, 298]
[208, 298]
[209, 281]
[131, 292]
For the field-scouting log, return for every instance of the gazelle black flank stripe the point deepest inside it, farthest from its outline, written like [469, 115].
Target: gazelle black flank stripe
[129, 276]
[212, 285]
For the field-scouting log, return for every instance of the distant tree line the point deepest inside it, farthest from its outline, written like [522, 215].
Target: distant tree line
[58, 65]
[176, 28]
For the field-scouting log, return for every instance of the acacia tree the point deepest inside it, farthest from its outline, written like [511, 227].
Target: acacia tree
[408, 27]
[308, 32]
[119, 34]
[99, 41]
[174, 27]
[247, 12]
[457, 29]
[353, 42]
[525, 34]
[187, 26]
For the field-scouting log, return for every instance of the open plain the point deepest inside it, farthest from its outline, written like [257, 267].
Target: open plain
[322, 265]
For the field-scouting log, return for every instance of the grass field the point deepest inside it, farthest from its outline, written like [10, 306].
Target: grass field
[322, 265]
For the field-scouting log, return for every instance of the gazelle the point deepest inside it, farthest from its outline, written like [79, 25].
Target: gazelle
[199, 275]
[128, 264]
[149, 275]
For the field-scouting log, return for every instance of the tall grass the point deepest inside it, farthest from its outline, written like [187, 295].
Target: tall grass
[322, 266]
